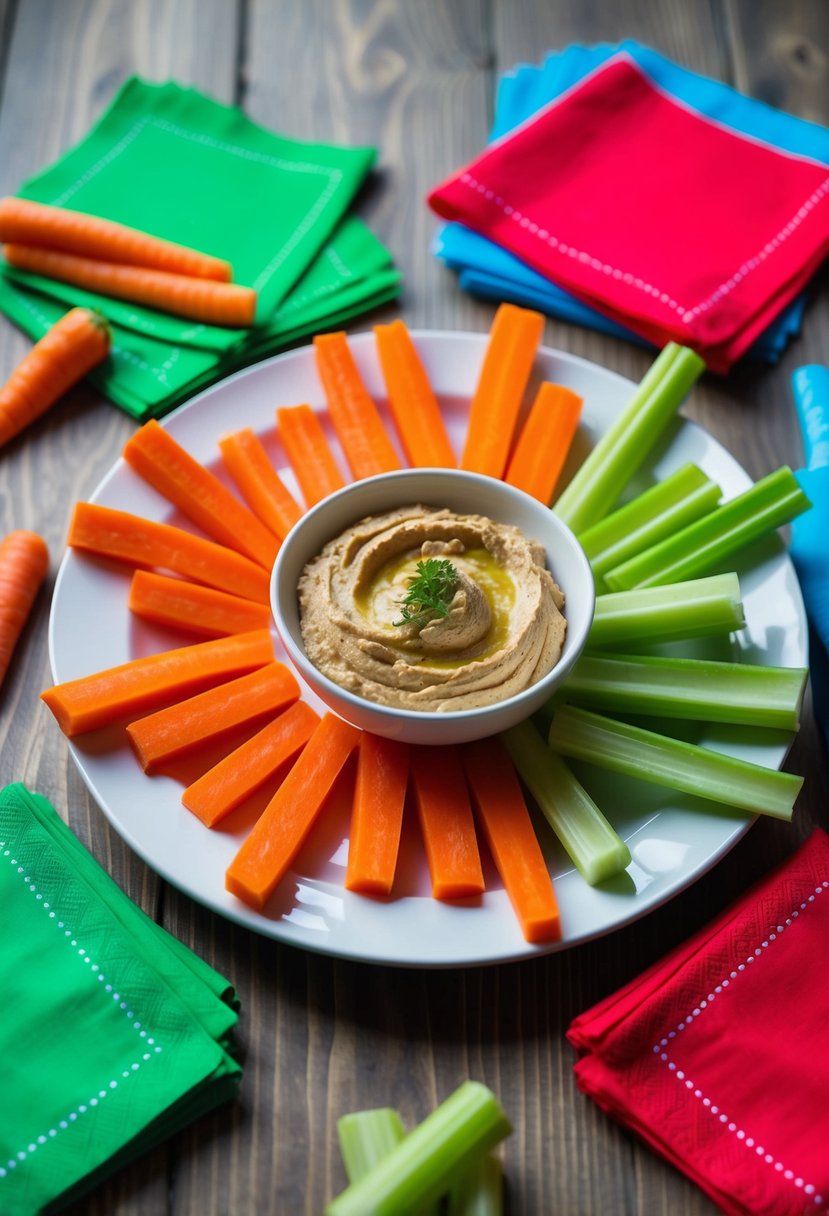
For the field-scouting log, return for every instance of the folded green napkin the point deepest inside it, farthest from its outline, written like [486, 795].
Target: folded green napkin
[147, 377]
[113, 1035]
[173, 162]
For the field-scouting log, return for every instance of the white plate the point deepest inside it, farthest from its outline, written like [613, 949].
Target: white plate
[673, 838]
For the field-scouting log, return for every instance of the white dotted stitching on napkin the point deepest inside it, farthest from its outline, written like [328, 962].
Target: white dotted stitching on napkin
[300, 299]
[149, 1041]
[93, 170]
[686, 312]
[333, 175]
[116, 351]
[660, 1050]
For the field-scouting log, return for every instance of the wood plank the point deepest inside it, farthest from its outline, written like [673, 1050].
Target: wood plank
[379, 74]
[62, 64]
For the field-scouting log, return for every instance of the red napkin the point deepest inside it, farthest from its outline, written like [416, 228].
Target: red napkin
[651, 212]
[718, 1056]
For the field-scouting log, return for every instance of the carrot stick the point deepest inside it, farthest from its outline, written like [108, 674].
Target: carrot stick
[377, 816]
[205, 300]
[412, 402]
[24, 560]
[310, 457]
[109, 532]
[208, 716]
[446, 823]
[225, 786]
[505, 820]
[259, 483]
[353, 414]
[143, 684]
[278, 834]
[24, 222]
[190, 606]
[496, 402]
[544, 441]
[74, 345]
[162, 462]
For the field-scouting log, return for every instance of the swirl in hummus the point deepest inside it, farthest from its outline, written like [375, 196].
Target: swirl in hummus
[504, 629]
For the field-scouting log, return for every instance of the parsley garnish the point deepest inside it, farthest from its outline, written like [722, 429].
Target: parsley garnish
[430, 592]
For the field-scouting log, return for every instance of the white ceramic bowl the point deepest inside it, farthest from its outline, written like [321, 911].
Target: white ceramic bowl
[465, 493]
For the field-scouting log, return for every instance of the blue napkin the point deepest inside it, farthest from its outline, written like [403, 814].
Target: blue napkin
[808, 547]
[489, 271]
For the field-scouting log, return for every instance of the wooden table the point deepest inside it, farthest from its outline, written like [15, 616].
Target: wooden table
[320, 1036]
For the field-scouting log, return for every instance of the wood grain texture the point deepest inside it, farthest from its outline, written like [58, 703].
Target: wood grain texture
[321, 1037]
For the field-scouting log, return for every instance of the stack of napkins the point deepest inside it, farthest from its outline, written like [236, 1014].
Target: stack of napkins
[113, 1037]
[622, 192]
[718, 1055]
[172, 162]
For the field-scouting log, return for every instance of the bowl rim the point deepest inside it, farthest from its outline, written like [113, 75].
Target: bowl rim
[363, 704]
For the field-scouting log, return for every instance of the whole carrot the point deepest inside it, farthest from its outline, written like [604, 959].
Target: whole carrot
[204, 300]
[63, 356]
[25, 222]
[24, 560]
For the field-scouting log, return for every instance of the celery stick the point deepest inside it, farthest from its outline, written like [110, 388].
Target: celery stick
[657, 513]
[430, 1159]
[768, 504]
[481, 1190]
[624, 446]
[636, 752]
[365, 1137]
[692, 609]
[699, 689]
[593, 846]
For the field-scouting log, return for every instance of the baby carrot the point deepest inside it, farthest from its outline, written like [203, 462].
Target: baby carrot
[24, 222]
[544, 441]
[63, 356]
[24, 560]
[512, 841]
[496, 402]
[446, 823]
[277, 837]
[259, 483]
[412, 402]
[206, 300]
[353, 414]
[213, 795]
[377, 816]
[192, 607]
[310, 457]
[169, 468]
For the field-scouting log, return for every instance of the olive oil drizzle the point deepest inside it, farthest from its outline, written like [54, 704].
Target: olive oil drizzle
[380, 601]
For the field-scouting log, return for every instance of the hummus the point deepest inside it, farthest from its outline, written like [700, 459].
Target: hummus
[503, 627]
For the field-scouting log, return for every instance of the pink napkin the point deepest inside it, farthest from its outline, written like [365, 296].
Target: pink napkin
[718, 1055]
[652, 213]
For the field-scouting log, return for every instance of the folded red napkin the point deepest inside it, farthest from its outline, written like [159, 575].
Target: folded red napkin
[718, 1055]
[656, 215]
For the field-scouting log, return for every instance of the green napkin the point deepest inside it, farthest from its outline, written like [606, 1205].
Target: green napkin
[147, 377]
[113, 1035]
[175, 163]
